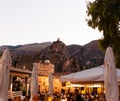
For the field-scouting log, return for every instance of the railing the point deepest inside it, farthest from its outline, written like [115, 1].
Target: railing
[14, 94]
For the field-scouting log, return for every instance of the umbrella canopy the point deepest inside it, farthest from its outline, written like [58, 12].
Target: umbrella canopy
[110, 76]
[5, 64]
[89, 75]
[34, 81]
[50, 84]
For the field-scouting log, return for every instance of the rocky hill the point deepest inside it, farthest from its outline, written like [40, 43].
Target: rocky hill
[58, 54]
[70, 58]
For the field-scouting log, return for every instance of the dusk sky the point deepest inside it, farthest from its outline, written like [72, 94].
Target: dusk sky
[37, 21]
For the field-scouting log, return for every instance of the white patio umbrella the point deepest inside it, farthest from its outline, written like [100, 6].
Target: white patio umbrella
[50, 84]
[5, 64]
[34, 81]
[110, 76]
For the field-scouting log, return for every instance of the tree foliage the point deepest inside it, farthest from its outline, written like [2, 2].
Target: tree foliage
[105, 15]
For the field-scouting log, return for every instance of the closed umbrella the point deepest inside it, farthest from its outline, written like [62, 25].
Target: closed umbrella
[50, 89]
[34, 81]
[110, 76]
[5, 64]
[51, 84]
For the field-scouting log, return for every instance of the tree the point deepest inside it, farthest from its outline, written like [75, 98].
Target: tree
[105, 15]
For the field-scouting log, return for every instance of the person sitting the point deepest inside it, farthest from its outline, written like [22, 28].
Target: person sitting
[26, 98]
[35, 98]
[78, 96]
[18, 98]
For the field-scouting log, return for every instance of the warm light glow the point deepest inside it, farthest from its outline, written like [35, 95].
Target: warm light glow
[11, 87]
[68, 84]
[94, 85]
[27, 88]
[49, 98]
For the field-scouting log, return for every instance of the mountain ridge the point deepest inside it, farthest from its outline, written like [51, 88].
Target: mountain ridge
[67, 58]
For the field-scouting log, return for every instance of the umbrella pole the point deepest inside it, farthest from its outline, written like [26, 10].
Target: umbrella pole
[103, 98]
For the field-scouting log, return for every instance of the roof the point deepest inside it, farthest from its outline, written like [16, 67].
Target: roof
[20, 70]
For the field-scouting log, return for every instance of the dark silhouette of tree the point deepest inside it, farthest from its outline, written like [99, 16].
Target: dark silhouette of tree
[105, 15]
